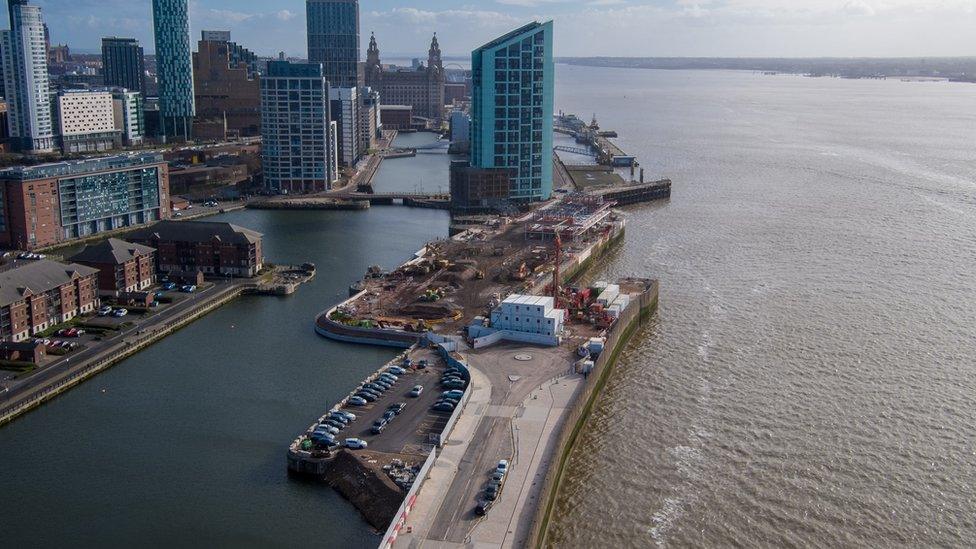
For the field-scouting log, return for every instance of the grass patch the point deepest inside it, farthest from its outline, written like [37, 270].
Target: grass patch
[17, 366]
[74, 322]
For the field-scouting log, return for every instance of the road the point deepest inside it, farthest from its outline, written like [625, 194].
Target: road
[512, 381]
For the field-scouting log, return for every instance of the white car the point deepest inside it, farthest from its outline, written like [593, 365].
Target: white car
[105, 311]
[356, 443]
[120, 313]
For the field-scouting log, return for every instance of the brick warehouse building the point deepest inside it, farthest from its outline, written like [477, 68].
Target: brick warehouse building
[123, 267]
[227, 89]
[35, 295]
[53, 203]
[215, 249]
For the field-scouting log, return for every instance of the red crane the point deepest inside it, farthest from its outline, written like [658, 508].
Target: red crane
[555, 270]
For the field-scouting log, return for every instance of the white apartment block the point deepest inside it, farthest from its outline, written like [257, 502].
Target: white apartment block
[86, 112]
[24, 59]
[345, 112]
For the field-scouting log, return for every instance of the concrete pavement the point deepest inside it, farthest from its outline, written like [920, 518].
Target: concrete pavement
[442, 475]
[535, 427]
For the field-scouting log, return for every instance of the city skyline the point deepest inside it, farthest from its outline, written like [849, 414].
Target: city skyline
[711, 28]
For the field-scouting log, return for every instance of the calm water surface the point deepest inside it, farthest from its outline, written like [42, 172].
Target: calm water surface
[183, 445]
[810, 378]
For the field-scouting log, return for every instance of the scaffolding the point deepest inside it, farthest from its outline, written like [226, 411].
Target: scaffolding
[569, 218]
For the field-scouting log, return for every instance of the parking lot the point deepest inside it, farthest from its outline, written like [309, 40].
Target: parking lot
[88, 330]
[411, 431]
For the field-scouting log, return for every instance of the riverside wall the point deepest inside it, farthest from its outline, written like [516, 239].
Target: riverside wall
[632, 319]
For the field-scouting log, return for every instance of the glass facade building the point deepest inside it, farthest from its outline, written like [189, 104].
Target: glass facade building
[512, 109]
[123, 64]
[52, 203]
[297, 151]
[333, 40]
[24, 53]
[174, 67]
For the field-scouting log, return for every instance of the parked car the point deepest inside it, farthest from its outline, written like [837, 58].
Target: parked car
[397, 407]
[105, 310]
[388, 377]
[396, 370]
[340, 418]
[367, 397]
[502, 466]
[456, 384]
[444, 407]
[355, 443]
[484, 505]
[491, 493]
[357, 401]
[325, 439]
[378, 427]
[188, 289]
[415, 392]
[389, 415]
[422, 364]
[328, 429]
[386, 386]
[351, 416]
[334, 423]
[453, 394]
[169, 286]
[120, 313]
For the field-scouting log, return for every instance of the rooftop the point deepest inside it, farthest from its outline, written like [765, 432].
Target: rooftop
[112, 251]
[76, 167]
[506, 37]
[197, 231]
[518, 299]
[22, 279]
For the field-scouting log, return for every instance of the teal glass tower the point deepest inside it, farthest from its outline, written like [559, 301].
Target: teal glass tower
[174, 67]
[512, 106]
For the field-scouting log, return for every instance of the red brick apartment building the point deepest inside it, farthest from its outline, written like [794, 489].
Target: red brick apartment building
[35, 295]
[123, 267]
[215, 249]
[53, 203]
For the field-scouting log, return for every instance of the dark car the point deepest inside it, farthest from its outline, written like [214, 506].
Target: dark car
[368, 397]
[444, 407]
[378, 427]
[335, 424]
[491, 493]
[389, 415]
[484, 505]
[396, 408]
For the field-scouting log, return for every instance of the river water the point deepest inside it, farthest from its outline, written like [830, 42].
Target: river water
[808, 380]
[183, 445]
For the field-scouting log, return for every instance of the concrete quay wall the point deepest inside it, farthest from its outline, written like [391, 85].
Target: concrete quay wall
[632, 319]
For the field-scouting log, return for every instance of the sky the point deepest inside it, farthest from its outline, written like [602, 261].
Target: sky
[638, 28]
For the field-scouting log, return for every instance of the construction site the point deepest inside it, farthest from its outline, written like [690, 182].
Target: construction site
[451, 281]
